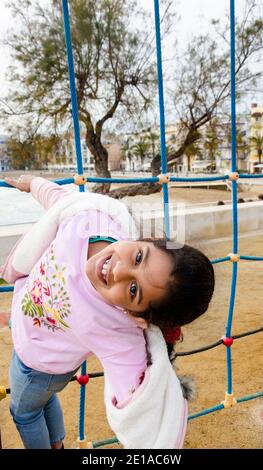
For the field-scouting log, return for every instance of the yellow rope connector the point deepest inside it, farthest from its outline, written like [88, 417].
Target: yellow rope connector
[233, 176]
[229, 400]
[2, 392]
[164, 178]
[84, 444]
[79, 179]
[234, 257]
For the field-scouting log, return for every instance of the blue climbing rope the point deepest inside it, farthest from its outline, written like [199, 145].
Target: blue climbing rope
[162, 116]
[234, 191]
[75, 116]
[73, 92]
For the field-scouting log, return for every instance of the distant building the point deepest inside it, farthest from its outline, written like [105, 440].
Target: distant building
[64, 157]
[114, 153]
[5, 163]
[223, 159]
[256, 131]
[133, 162]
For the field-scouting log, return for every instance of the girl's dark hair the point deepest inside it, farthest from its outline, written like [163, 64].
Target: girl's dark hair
[190, 290]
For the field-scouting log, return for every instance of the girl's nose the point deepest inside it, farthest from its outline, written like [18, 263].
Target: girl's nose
[120, 272]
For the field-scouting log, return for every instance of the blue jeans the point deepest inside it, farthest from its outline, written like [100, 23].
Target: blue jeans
[34, 405]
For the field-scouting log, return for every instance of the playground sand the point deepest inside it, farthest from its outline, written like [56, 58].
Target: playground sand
[237, 427]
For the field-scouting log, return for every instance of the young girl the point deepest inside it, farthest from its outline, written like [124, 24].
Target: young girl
[81, 288]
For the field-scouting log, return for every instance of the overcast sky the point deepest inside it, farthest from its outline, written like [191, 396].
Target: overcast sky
[195, 17]
[193, 13]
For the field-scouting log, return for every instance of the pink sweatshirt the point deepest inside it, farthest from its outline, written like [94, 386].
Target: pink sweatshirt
[59, 319]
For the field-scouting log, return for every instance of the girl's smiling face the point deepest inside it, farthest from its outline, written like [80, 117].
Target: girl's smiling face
[130, 274]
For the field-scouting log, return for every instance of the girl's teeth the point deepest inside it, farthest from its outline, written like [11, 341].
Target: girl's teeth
[105, 268]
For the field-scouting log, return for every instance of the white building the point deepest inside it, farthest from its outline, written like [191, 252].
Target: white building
[5, 163]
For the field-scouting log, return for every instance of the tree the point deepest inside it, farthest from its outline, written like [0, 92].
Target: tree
[126, 152]
[141, 149]
[34, 152]
[256, 143]
[22, 154]
[212, 142]
[192, 150]
[153, 140]
[202, 80]
[241, 142]
[111, 67]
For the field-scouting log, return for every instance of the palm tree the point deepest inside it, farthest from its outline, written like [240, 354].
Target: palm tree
[125, 152]
[212, 142]
[241, 143]
[192, 150]
[153, 140]
[256, 143]
[140, 149]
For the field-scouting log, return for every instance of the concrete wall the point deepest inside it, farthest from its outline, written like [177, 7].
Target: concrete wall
[9, 235]
[197, 224]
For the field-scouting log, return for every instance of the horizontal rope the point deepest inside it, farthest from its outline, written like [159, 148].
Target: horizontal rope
[216, 343]
[220, 260]
[248, 333]
[6, 288]
[92, 375]
[221, 406]
[206, 412]
[153, 179]
[199, 179]
[250, 397]
[96, 444]
[247, 175]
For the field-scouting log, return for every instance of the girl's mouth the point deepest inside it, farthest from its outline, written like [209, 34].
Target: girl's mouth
[102, 269]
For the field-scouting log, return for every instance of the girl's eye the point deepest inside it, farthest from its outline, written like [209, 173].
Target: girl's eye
[138, 257]
[133, 290]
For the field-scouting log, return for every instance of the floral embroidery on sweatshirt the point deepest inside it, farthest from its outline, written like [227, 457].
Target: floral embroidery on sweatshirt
[46, 300]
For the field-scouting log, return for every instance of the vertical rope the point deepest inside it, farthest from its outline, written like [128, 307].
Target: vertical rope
[82, 400]
[234, 190]
[75, 117]
[73, 93]
[162, 117]
[233, 121]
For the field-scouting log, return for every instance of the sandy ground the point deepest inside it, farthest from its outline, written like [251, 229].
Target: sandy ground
[237, 427]
[192, 196]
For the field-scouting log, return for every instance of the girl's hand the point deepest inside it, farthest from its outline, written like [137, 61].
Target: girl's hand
[23, 182]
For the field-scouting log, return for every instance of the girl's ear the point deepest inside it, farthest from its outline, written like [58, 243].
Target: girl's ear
[141, 322]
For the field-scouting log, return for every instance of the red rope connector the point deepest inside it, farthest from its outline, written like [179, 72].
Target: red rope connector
[83, 379]
[227, 341]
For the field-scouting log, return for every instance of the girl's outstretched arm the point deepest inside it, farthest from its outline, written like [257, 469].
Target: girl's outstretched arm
[44, 191]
